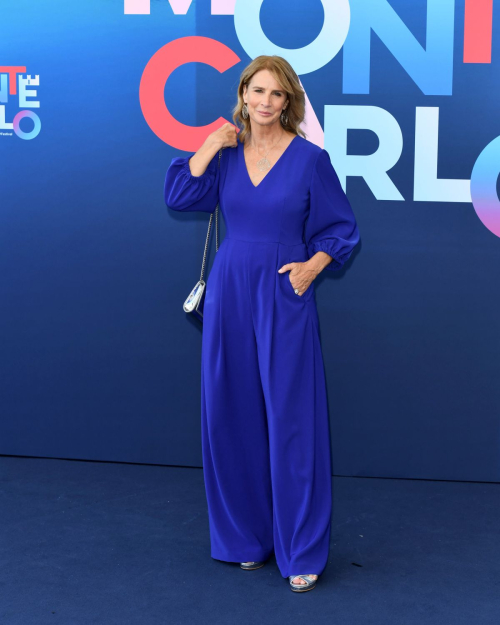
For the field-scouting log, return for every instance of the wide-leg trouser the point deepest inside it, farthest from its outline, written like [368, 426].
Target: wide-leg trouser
[265, 429]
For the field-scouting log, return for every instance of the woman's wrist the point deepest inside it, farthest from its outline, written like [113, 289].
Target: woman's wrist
[319, 261]
[213, 143]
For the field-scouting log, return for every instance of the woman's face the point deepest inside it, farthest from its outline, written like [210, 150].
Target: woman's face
[264, 95]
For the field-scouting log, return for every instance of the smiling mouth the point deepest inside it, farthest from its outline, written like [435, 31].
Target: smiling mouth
[264, 113]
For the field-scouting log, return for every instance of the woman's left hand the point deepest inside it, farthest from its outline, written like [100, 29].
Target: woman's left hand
[301, 275]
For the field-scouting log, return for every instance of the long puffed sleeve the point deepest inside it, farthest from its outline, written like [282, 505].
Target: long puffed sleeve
[184, 192]
[331, 226]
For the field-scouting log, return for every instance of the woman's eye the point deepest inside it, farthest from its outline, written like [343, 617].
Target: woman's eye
[276, 92]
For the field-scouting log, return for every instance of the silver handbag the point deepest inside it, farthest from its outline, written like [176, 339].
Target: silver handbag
[196, 299]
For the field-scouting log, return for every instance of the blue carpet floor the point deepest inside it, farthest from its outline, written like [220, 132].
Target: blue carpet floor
[102, 543]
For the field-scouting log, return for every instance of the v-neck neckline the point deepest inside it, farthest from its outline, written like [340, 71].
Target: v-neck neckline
[270, 170]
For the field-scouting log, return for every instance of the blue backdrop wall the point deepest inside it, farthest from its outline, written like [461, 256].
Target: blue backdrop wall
[98, 359]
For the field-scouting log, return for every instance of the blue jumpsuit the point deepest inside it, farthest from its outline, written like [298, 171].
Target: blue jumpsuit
[265, 428]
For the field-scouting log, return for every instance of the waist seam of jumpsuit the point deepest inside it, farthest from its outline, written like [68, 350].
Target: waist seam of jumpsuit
[269, 242]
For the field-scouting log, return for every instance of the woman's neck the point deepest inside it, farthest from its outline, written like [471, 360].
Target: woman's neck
[265, 140]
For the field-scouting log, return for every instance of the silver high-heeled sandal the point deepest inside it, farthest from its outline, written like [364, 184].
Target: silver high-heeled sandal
[250, 566]
[309, 585]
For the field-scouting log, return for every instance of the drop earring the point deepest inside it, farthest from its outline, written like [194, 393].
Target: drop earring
[284, 117]
[244, 111]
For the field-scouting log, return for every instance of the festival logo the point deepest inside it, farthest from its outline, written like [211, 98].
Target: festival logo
[16, 85]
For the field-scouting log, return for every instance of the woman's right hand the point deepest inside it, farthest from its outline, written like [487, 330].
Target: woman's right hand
[225, 136]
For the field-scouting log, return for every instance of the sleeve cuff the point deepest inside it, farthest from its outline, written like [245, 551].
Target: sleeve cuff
[207, 176]
[330, 248]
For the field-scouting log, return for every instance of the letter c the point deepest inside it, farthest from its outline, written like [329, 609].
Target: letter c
[154, 78]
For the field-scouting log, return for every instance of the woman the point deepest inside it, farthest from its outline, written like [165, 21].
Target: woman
[265, 428]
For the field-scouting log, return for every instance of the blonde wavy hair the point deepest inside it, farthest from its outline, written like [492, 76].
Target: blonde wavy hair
[288, 80]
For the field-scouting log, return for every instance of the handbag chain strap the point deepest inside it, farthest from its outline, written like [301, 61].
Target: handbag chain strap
[209, 228]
